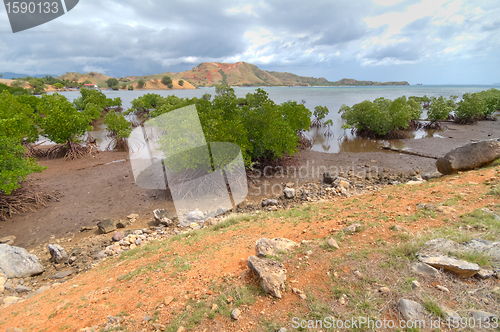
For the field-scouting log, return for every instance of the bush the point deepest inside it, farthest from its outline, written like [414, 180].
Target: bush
[16, 119]
[93, 102]
[60, 121]
[439, 109]
[181, 82]
[117, 125]
[382, 117]
[471, 108]
[130, 87]
[111, 82]
[15, 167]
[166, 80]
[492, 101]
[141, 84]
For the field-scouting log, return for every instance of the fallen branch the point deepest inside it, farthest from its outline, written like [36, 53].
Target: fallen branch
[407, 152]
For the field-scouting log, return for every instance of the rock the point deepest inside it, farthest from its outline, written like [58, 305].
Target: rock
[272, 247]
[181, 329]
[8, 240]
[431, 175]
[22, 289]
[18, 263]
[106, 226]
[415, 284]
[118, 236]
[482, 316]
[343, 299]
[123, 223]
[442, 288]
[194, 226]
[168, 300]
[269, 202]
[424, 269]
[397, 228]
[384, 290]
[133, 216]
[272, 274]
[440, 246]
[452, 314]
[445, 209]
[146, 318]
[411, 310]
[214, 307]
[469, 156]
[62, 274]
[358, 275]
[328, 178]
[485, 274]
[57, 253]
[9, 300]
[333, 244]
[352, 228]
[289, 193]
[272, 208]
[13, 329]
[282, 330]
[196, 215]
[165, 217]
[235, 314]
[38, 291]
[425, 206]
[458, 266]
[341, 182]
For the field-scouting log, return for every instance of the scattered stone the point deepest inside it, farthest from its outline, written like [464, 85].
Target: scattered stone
[165, 217]
[9, 300]
[485, 274]
[442, 288]
[452, 314]
[425, 206]
[57, 253]
[458, 266]
[8, 240]
[22, 289]
[269, 202]
[106, 226]
[446, 209]
[384, 290]
[352, 228]
[343, 299]
[146, 318]
[397, 228]
[272, 208]
[168, 300]
[282, 330]
[411, 310]
[415, 284]
[289, 193]
[214, 307]
[272, 274]
[196, 215]
[118, 236]
[469, 156]
[235, 314]
[133, 216]
[358, 275]
[123, 223]
[303, 296]
[272, 247]
[482, 316]
[424, 269]
[181, 329]
[332, 243]
[431, 175]
[18, 263]
[62, 274]
[328, 178]
[229, 300]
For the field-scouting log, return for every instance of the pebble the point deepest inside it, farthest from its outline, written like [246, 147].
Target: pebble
[236, 314]
[442, 288]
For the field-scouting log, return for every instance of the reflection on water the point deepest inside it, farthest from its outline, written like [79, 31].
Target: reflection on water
[346, 142]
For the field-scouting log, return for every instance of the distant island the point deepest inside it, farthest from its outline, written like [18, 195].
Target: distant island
[208, 74]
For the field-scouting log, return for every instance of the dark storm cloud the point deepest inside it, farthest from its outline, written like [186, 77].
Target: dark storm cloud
[143, 37]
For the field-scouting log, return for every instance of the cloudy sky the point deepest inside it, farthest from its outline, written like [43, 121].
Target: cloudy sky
[420, 41]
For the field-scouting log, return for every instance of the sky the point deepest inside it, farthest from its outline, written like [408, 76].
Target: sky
[419, 41]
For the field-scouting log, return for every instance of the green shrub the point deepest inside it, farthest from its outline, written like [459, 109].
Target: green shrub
[15, 167]
[380, 118]
[181, 82]
[16, 119]
[439, 109]
[471, 108]
[141, 84]
[117, 125]
[166, 80]
[60, 121]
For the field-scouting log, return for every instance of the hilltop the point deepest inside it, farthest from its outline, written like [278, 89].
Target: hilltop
[246, 74]
[208, 74]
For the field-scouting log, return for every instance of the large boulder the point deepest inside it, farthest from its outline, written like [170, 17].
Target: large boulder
[469, 156]
[18, 263]
[460, 267]
[107, 226]
[272, 274]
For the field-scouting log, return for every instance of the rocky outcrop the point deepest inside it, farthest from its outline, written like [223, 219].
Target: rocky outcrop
[57, 253]
[460, 267]
[469, 156]
[18, 263]
[272, 275]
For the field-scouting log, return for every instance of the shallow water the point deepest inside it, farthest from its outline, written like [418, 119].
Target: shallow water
[331, 97]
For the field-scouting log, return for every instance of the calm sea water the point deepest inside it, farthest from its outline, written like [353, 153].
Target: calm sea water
[331, 97]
